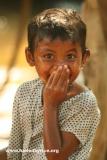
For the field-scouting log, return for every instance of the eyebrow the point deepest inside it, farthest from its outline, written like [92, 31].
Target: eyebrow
[50, 50]
[47, 49]
[70, 50]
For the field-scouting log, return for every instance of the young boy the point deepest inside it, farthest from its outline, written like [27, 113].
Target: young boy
[54, 117]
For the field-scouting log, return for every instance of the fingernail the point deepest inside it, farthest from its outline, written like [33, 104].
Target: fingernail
[65, 66]
[68, 81]
[67, 70]
[60, 67]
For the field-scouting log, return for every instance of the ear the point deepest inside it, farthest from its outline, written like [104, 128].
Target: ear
[29, 57]
[85, 57]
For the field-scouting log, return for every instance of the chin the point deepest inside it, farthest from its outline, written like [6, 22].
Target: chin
[43, 80]
[72, 79]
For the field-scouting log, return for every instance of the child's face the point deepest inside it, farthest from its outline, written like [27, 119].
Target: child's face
[50, 54]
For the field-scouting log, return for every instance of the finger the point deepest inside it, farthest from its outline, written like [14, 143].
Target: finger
[64, 77]
[56, 76]
[65, 85]
[49, 82]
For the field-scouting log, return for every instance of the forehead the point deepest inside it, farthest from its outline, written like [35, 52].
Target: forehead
[58, 43]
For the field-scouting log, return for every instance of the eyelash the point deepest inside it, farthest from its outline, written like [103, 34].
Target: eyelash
[71, 57]
[48, 57]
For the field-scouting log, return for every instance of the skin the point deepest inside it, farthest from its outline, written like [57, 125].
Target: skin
[58, 64]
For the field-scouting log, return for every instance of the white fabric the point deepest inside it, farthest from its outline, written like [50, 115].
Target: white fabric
[79, 115]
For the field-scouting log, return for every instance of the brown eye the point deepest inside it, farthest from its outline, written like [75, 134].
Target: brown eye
[71, 57]
[48, 56]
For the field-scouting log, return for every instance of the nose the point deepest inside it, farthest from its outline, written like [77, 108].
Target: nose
[60, 63]
[56, 65]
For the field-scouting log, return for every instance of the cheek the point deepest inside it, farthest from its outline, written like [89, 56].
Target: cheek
[74, 72]
[43, 72]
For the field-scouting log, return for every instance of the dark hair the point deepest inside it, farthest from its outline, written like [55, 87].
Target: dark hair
[57, 22]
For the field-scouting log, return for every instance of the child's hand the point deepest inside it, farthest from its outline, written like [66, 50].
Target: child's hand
[55, 91]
